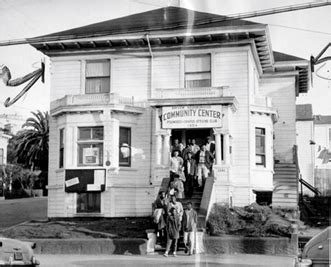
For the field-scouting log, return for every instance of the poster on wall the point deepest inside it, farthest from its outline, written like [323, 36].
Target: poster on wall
[182, 117]
[91, 155]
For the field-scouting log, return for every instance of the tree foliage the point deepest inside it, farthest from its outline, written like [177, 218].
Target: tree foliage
[30, 145]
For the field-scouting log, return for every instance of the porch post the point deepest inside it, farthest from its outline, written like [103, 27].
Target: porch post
[218, 148]
[166, 148]
[226, 145]
[158, 147]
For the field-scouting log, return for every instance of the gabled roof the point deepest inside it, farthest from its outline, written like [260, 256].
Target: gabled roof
[167, 18]
[304, 112]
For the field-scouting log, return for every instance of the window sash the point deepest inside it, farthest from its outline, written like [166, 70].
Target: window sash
[100, 68]
[125, 147]
[90, 133]
[198, 71]
[97, 75]
[97, 85]
[260, 147]
[88, 202]
[93, 153]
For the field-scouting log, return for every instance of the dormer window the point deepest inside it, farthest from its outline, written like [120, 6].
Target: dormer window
[97, 77]
[197, 71]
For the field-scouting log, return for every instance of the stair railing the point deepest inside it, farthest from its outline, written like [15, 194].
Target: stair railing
[299, 177]
[207, 195]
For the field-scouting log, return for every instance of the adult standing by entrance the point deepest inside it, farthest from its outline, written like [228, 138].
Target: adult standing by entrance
[194, 147]
[190, 220]
[205, 161]
[210, 145]
[190, 169]
[176, 164]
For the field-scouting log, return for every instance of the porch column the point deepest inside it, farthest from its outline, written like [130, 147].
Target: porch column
[166, 148]
[218, 148]
[226, 146]
[158, 147]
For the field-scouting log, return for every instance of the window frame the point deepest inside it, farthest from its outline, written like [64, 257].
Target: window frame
[259, 154]
[129, 140]
[92, 142]
[96, 207]
[198, 72]
[61, 148]
[86, 78]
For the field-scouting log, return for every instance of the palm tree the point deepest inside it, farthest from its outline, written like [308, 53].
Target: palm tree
[30, 145]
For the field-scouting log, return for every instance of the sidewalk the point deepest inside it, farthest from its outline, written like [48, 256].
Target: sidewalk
[159, 260]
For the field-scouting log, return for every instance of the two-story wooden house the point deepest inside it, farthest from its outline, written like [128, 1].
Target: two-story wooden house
[123, 89]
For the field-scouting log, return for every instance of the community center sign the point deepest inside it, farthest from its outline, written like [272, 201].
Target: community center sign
[179, 117]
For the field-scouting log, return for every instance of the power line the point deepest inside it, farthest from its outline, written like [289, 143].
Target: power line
[299, 29]
[246, 15]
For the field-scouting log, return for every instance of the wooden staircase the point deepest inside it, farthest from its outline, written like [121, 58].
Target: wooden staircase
[285, 194]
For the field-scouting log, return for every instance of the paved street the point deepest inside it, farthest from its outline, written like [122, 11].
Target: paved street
[159, 260]
[16, 211]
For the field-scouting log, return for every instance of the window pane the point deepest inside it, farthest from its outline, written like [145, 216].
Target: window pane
[259, 131]
[330, 139]
[97, 85]
[125, 147]
[197, 63]
[260, 144]
[88, 202]
[90, 154]
[97, 133]
[97, 68]
[84, 133]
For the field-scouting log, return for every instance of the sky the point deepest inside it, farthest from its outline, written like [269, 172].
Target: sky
[301, 33]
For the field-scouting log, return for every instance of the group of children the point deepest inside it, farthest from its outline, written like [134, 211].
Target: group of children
[171, 219]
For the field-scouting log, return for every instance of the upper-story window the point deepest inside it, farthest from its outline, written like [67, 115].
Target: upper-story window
[97, 76]
[197, 71]
[90, 146]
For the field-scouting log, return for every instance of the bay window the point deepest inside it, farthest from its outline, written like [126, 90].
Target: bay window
[90, 146]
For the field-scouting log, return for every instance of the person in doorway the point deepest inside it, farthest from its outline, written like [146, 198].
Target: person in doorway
[210, 145]
[190, 170]
[173, 228]
[186, 150]
[176, 164]
[194, 147]
[204, 161]
[160, 207]
[190, 220]
[173, 203]
[177, 147]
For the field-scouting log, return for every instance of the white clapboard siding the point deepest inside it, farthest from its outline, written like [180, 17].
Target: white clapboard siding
[132, 202]
[231, 69]
[166, 72]
[56, 203]
[131, 77]
[306, 152]
[282, 91]
[241, 196]
[139, 171]
[65, 78]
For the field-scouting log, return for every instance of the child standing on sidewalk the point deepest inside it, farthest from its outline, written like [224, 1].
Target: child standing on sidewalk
[173, 228]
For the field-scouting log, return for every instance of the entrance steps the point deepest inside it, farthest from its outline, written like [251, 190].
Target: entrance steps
[285, 194]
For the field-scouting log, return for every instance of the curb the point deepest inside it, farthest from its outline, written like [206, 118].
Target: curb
[91, 246]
